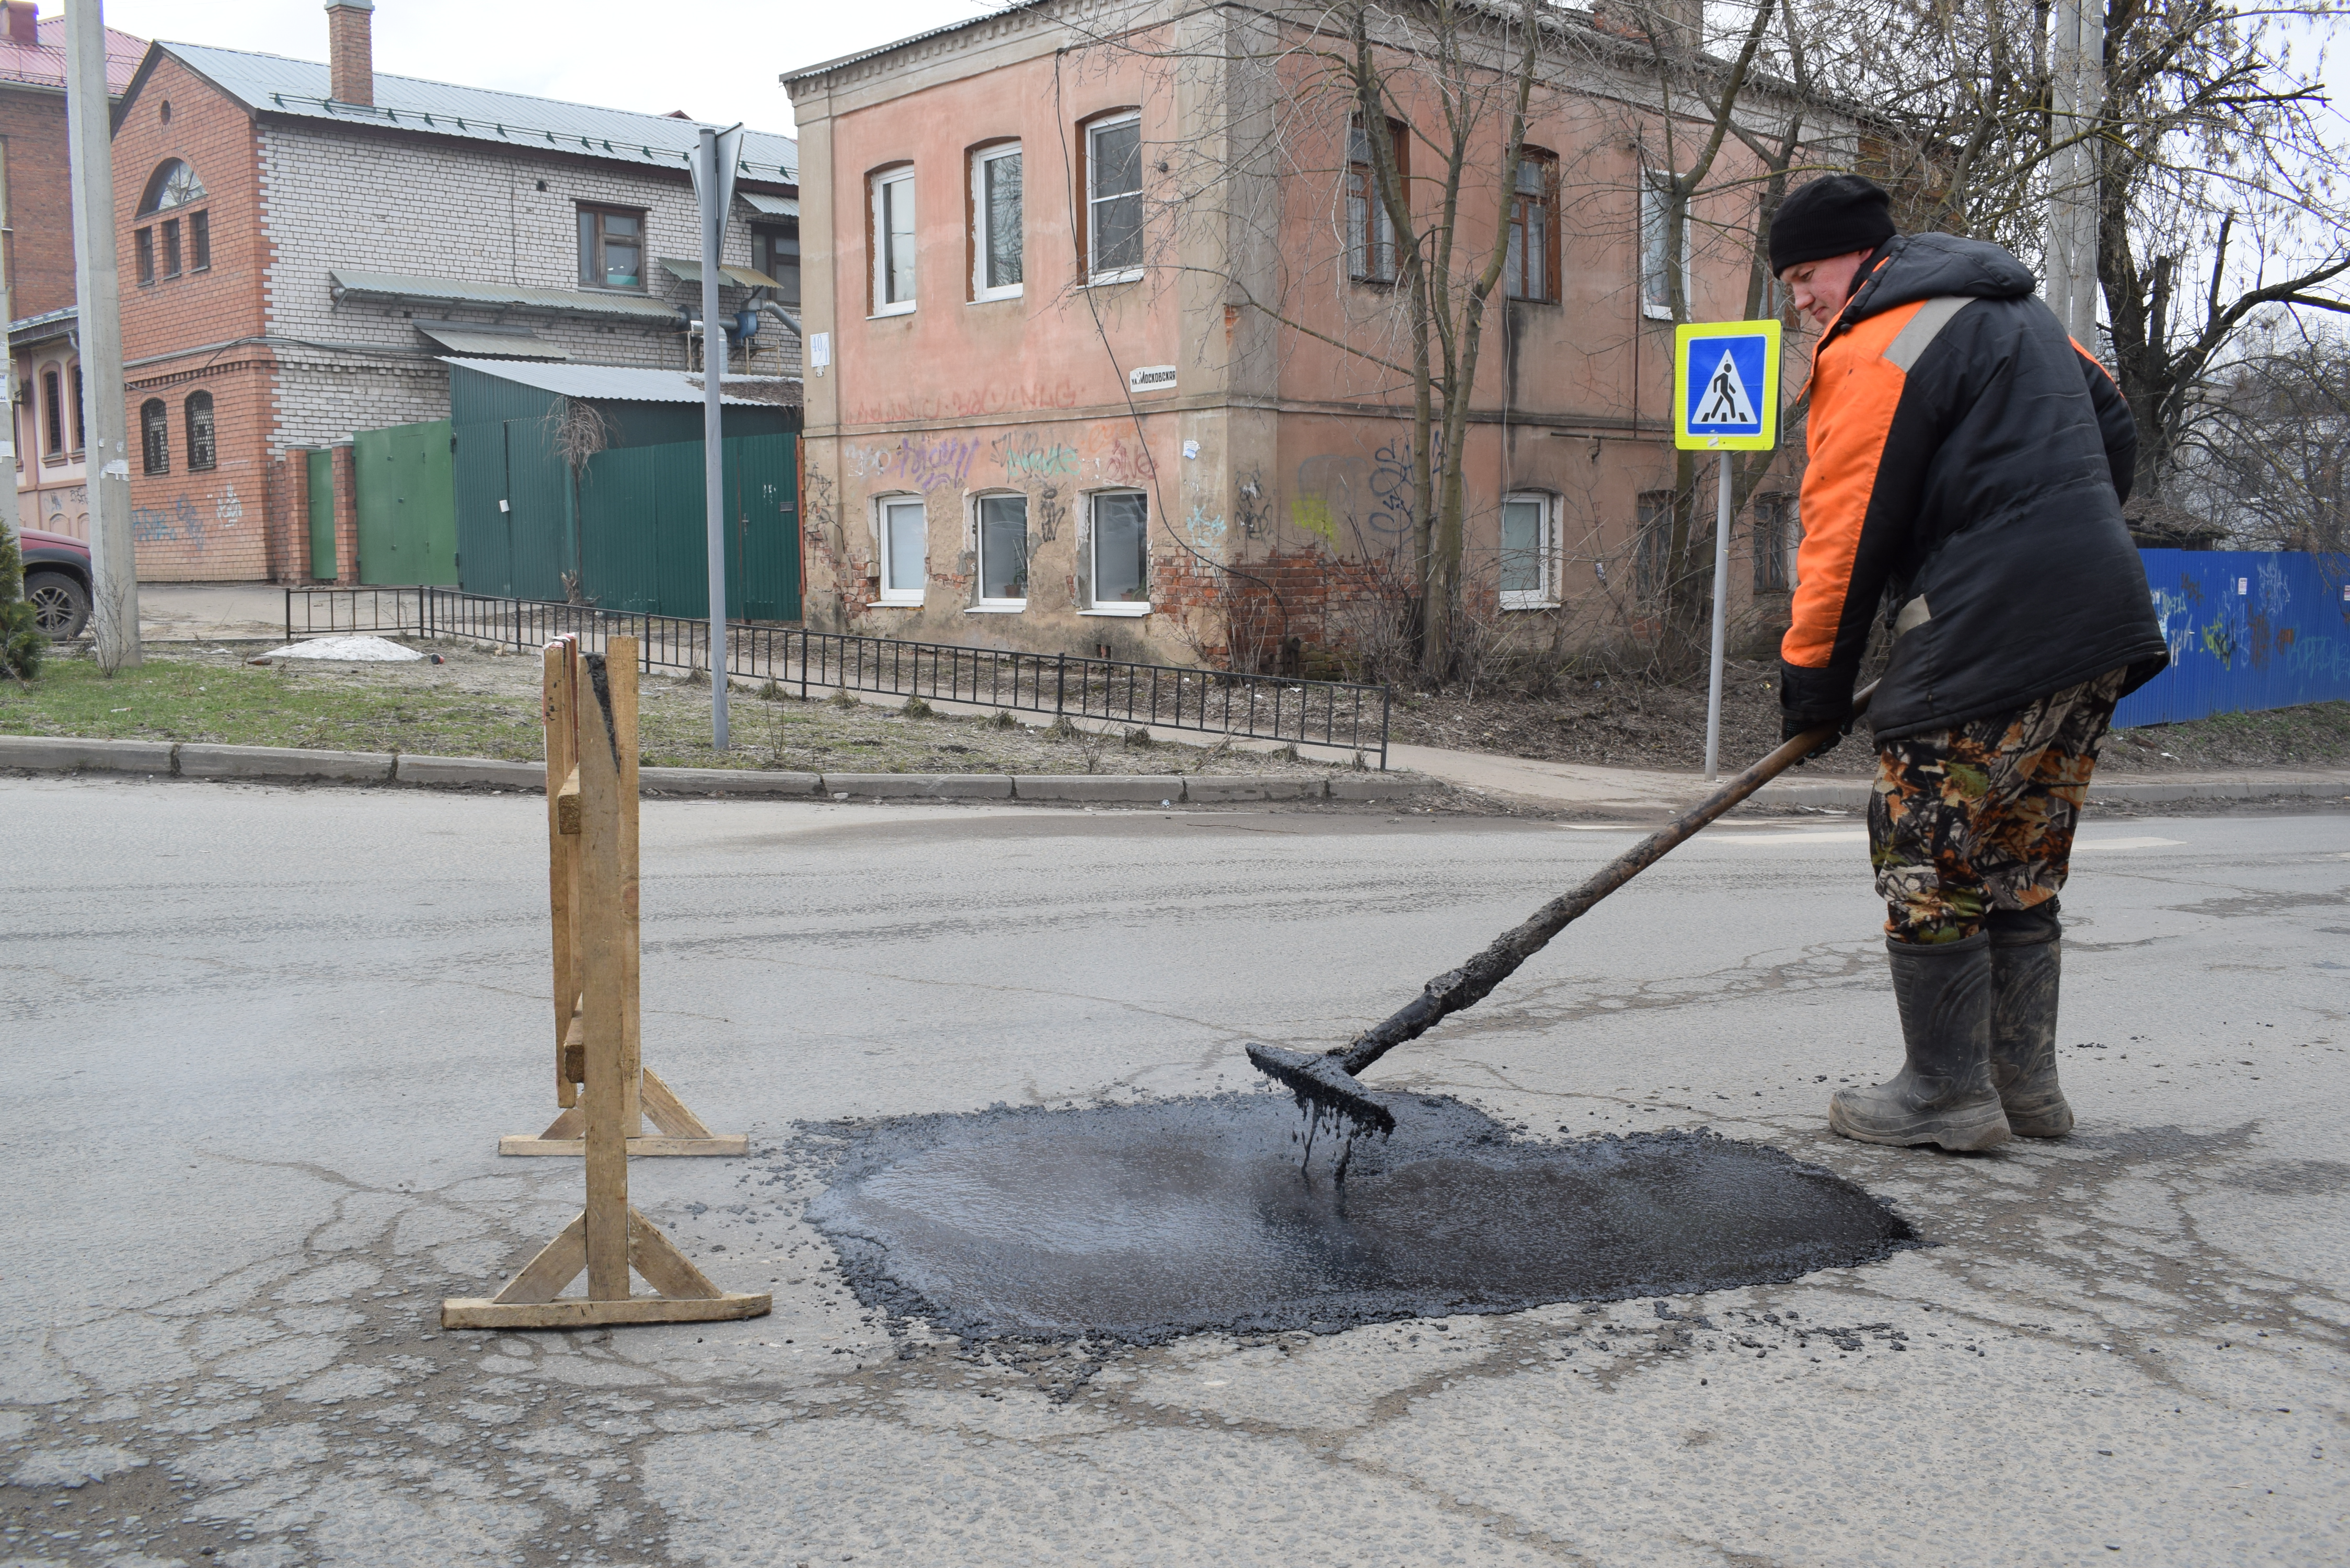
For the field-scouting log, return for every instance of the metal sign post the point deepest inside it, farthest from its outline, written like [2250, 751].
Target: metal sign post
[1725, 400]
[713, 183]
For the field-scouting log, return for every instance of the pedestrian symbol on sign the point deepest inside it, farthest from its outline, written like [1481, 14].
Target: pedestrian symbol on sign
[1726, 400]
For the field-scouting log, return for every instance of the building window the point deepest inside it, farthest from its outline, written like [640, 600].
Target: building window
[1656, 226]
[996, 225]
[905, 549]
[143, 241]
[201, 452]
[1775, 535]
[1652, 546]
[1531, 268]
[1529, 552]
[1002, 551]
[78, 410]
[611, 247]
[171, 186]
[891, 227]
[155, 436]
[200, 241]
[1114, 199]
[1370, 232]
[775, 251]
[171, 247]
[1118, 550]
[53, 438]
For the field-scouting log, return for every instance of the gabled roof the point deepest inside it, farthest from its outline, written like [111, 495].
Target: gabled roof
[271, 83]
[43, 64]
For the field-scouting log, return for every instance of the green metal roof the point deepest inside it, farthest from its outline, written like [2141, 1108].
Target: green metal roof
[475, 342]
[392, 289]
[691, 271]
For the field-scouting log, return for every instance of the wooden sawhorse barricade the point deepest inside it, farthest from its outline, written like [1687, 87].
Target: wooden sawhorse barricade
[592, 816]
[643, 1093]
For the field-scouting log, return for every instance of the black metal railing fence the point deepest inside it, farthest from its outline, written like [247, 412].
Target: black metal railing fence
[1333, 714]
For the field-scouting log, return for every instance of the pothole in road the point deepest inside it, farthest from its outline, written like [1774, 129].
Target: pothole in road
[1145, 1221]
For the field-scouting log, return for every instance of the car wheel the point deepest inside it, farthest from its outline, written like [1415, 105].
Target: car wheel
[61, 604]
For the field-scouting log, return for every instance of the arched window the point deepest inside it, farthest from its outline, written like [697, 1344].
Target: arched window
[174, 184]
[201, 450]
[155, 436]
[53, 410]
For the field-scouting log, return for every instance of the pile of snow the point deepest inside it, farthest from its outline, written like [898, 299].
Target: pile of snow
[346, 651]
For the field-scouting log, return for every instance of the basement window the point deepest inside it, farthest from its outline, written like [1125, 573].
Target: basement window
[905, 549]
[1002, 552]
[1529, 551]
[1117, 553]
[613, 248]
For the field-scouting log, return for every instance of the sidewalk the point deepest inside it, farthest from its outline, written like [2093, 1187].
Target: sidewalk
[211, 612]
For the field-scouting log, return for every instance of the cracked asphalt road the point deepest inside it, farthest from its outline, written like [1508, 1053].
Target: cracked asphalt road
[261, 1042]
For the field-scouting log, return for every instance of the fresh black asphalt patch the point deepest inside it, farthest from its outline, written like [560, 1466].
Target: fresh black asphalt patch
[1144, 1222]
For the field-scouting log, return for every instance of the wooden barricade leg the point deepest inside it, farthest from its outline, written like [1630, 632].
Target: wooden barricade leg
[643, 1092]
[610, 1240]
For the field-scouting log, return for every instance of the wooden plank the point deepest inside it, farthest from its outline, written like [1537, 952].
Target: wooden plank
[669, 1112]
[559, 719]
[652, 1144]
[558, 1264]
[477, 1312]
[603, 935]
[665, 1268]
[566, 805]
[620, 656]
[572, 1123]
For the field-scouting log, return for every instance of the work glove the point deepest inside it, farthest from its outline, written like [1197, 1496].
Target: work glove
[1809, 699]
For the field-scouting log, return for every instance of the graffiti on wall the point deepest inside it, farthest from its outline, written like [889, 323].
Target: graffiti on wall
[917, 463]
[1023, 460]
[178, 523]
[1347, 492]
[977, 402]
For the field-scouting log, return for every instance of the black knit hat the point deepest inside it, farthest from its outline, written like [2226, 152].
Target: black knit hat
[1830, 217]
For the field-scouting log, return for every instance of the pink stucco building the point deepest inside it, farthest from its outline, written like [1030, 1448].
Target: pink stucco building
[1096, 322]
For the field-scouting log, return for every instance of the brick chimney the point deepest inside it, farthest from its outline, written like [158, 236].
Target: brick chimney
[24, 22]
[350, 50]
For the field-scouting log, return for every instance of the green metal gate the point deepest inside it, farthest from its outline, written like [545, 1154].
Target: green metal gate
[407, 506]
[642, 540]
[320, 483]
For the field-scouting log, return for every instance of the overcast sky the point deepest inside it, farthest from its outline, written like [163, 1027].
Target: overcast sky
[715, 59]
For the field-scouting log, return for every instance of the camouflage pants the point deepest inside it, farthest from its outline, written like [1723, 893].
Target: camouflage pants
[1972, 822]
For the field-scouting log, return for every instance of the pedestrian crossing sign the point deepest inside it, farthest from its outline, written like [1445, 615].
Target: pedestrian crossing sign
[1726, 386]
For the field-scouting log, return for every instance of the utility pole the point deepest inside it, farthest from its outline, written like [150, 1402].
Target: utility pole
[2076, 56]
[713, 183]
[114, 566]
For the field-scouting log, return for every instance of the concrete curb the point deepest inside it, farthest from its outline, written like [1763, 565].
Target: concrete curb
[1852, 794]
[45, 753]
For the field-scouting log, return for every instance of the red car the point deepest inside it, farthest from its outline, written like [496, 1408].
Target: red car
[56, 582]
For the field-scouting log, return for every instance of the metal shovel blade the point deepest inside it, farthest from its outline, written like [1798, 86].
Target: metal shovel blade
[1321, 1085]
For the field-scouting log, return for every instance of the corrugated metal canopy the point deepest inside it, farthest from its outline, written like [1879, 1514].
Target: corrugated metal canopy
[771, 206]
[274, 85]
[690, 271]
[393, 287]
[476, 343]
[615, 383]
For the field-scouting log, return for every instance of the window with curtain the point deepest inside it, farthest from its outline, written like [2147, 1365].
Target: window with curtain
[155, 436]
[892, 225]
[202, 449]
[995, 223]
[1114, 199]
[1530, 269]
[612, 247]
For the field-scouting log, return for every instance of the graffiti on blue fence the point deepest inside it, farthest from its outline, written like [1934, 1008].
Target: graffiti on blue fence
[2246, 630]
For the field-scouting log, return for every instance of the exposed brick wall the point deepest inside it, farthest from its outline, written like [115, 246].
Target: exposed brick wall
[40, 200]
[350, 54]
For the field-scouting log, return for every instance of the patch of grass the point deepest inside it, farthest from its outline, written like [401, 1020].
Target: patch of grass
[240, 705]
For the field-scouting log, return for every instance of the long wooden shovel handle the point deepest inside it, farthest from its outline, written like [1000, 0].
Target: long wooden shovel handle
[1465, 987]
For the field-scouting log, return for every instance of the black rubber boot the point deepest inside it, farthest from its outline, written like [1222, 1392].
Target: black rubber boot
[1943, 1094]
[2026, 959]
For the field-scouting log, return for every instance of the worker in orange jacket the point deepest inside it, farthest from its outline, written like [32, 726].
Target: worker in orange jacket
[1966, 471]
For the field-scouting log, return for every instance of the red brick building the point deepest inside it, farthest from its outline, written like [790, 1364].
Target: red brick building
[36, 207]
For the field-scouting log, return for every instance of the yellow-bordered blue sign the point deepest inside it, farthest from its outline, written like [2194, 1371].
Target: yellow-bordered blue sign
[1726, 386]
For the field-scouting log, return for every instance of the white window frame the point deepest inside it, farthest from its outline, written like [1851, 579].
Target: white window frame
[1094, 273]
[980, 603]
[1094, 605]
[876, 221]
[1653, 220]
[981, 235]
[1547, 550]
[893, 593]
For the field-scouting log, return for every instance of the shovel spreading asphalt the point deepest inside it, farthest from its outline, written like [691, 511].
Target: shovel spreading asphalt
[1144, 1222]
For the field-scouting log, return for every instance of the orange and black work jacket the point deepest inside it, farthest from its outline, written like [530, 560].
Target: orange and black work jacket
[1967, 463]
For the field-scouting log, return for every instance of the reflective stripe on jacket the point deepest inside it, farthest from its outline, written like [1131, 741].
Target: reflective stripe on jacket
[1968, 460]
